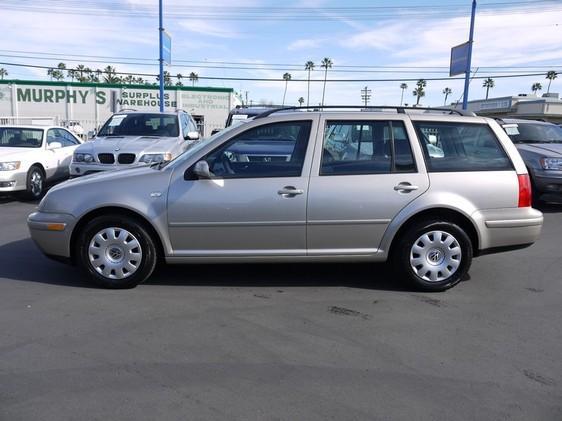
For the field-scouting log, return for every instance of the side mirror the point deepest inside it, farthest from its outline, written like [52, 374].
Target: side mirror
[192, 136]
[54, 145]
[202, 171]
[91, 134]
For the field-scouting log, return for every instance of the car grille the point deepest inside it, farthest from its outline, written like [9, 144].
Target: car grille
[126, 158]
[106, 158]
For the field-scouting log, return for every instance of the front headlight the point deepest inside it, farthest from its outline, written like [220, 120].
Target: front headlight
[9, 166]
[551, 163]
[152, 158]
[83, 157]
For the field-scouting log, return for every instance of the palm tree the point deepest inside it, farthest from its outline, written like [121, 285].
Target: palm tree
[419, 92]
[110, 75]
[488, 84]
[551, 75]
[3, 72]
[193, 77]
[129, 79]
[167, 78]
[403, 86]
[286, 78]
[81, 73]
[179, 77]
[447, 92]
[300, 101]
[325, 64]
[309, 66]
[57, 73]
[536, 87]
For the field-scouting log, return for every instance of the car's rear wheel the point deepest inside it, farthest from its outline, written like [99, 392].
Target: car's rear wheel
[433, 255]
[116, 252]
[35, 184]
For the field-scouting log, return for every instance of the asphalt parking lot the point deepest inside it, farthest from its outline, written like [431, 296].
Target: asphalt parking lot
[288, 342]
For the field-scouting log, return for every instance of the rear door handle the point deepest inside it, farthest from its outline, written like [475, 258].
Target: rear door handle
[290, 191]
[405, 187]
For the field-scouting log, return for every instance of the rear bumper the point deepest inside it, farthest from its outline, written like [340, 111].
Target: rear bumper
[507, 229]
[52, 232]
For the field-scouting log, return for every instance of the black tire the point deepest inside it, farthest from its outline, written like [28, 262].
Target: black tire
[403, 251]
[35, 184]
[147, 246]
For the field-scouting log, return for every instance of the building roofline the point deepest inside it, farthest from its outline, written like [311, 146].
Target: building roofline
[113, 85]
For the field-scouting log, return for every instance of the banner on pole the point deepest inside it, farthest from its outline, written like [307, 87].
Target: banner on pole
[459, 59]
[166, 48]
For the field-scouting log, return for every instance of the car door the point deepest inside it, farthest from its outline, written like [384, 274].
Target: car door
[255, 204]
[364, 175]
[61, 157]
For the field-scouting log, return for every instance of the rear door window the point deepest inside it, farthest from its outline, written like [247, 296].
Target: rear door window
[366, 147]
[451, 146]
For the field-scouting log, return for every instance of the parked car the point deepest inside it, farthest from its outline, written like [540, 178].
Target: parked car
[243, 113]
[540, 146]
[133, 138]
[374, 193]
[32, 156]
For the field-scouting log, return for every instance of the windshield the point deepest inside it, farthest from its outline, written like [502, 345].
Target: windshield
[163, 125]
[535, 133]
[15, 137]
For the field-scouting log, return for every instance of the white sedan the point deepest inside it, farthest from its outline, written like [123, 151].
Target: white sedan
[32, 156]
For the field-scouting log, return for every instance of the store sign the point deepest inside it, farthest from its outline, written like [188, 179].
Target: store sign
[58, 95]
[144, 99]
[204, 101]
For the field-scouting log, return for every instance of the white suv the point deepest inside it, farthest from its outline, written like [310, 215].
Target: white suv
[132, 138]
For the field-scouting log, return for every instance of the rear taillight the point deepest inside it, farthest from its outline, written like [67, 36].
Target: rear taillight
[525, 195]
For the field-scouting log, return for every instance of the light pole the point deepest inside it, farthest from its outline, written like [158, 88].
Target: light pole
[469, 59]
[161, 55]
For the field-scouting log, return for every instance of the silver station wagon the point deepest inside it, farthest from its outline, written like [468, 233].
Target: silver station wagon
[425, 189]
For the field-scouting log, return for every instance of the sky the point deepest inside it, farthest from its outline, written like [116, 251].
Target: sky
[400, 39]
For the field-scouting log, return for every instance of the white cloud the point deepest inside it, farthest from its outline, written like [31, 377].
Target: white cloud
[209, 29]
[304, 44]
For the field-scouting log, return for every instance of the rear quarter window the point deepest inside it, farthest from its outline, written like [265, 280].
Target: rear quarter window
[455, 146]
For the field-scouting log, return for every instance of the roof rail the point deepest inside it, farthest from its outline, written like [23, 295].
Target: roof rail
[126, 109]
[399, 109]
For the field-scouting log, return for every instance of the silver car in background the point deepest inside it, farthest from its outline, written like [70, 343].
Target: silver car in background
[132, 138]
[293, 186]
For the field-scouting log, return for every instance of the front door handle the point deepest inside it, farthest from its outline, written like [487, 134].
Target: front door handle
[290, 191]
[405, 187]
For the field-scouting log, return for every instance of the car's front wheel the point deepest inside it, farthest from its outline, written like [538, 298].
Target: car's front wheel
[35, 184]
[116, 252]
[433, 255]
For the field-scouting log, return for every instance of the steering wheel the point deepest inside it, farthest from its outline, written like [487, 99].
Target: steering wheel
[226, 163]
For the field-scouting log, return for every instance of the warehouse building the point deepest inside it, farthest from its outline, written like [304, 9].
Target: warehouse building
[89, 105]
[547, 108]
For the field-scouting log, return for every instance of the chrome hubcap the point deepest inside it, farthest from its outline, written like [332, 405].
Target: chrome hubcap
[115, 253]
[435, 256]
[36, 182]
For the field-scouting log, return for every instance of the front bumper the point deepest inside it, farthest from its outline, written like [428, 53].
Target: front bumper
[503, 229]
[52, 233]
[78, 169]
[13, 181]
[548, 185]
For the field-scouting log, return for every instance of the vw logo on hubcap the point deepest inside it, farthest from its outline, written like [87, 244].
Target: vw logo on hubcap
[115, 253]
[435, 255]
